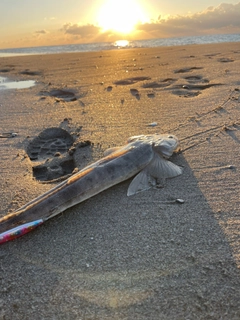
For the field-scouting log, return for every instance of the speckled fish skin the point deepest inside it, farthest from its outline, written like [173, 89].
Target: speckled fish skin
[118, 166]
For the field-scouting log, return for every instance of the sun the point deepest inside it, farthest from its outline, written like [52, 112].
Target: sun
[120, 15]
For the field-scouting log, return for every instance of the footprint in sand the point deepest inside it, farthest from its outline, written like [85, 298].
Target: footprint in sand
[48, 142]
[50, 148]
[54, 170]
[185, 93]
[129, 81]
[195, 84]
[196, 79]
[191, 90]
[225, 60]
[54, 151]
[210, 55]
[65, 95]
[109, 88]
[5, 70]
[159, 84]
[135, 93]
[31, 73]
[150, 94]
[183, 70]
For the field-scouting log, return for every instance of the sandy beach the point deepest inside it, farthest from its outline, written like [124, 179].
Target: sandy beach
[113, 256]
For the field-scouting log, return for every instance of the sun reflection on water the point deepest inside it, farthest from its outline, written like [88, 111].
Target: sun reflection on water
[121, 43]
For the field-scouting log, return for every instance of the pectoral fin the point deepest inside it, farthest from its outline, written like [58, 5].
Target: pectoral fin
[162, 169]
[142, 181]
[158, 168]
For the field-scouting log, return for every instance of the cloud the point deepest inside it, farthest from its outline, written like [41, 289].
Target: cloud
[50, 19]
[223, 18]
[41, 32]
[89, 33]
[83, 31]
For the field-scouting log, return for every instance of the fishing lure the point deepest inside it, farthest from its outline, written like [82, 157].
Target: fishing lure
[19, 231]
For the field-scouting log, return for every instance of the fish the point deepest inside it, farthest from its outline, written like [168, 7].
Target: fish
[144, 157]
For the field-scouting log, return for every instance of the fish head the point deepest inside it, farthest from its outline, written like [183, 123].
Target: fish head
[165, 144]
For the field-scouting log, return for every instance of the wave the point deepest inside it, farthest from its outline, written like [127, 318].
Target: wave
[121, 44]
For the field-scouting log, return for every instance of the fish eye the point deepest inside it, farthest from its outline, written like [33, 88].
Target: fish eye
[171, 137]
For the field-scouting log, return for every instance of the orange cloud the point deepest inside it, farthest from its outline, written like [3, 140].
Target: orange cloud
[41, 32]
[83, 31]
[224, 18]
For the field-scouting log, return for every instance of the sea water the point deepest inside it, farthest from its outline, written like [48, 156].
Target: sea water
[121, 44]
[6, 83]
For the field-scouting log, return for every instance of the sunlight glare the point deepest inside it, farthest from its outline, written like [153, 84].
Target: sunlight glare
[121, 43]
[120, 16]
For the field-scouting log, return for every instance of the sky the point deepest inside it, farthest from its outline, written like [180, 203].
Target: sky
[30, 23]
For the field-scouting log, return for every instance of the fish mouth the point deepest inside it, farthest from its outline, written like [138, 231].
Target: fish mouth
[166, 145]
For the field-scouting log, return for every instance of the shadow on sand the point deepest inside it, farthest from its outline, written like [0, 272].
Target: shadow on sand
[114, 257]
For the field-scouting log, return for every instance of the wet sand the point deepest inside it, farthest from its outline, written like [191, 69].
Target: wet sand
[113, 256]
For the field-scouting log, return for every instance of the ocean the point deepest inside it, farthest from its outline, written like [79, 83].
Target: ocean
[121, 44]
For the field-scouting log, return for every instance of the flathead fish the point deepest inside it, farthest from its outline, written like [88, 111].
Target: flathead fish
[144, 156]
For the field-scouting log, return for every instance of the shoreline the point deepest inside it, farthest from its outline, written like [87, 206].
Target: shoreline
[137, 44]
[113, 256]
[157, 48]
